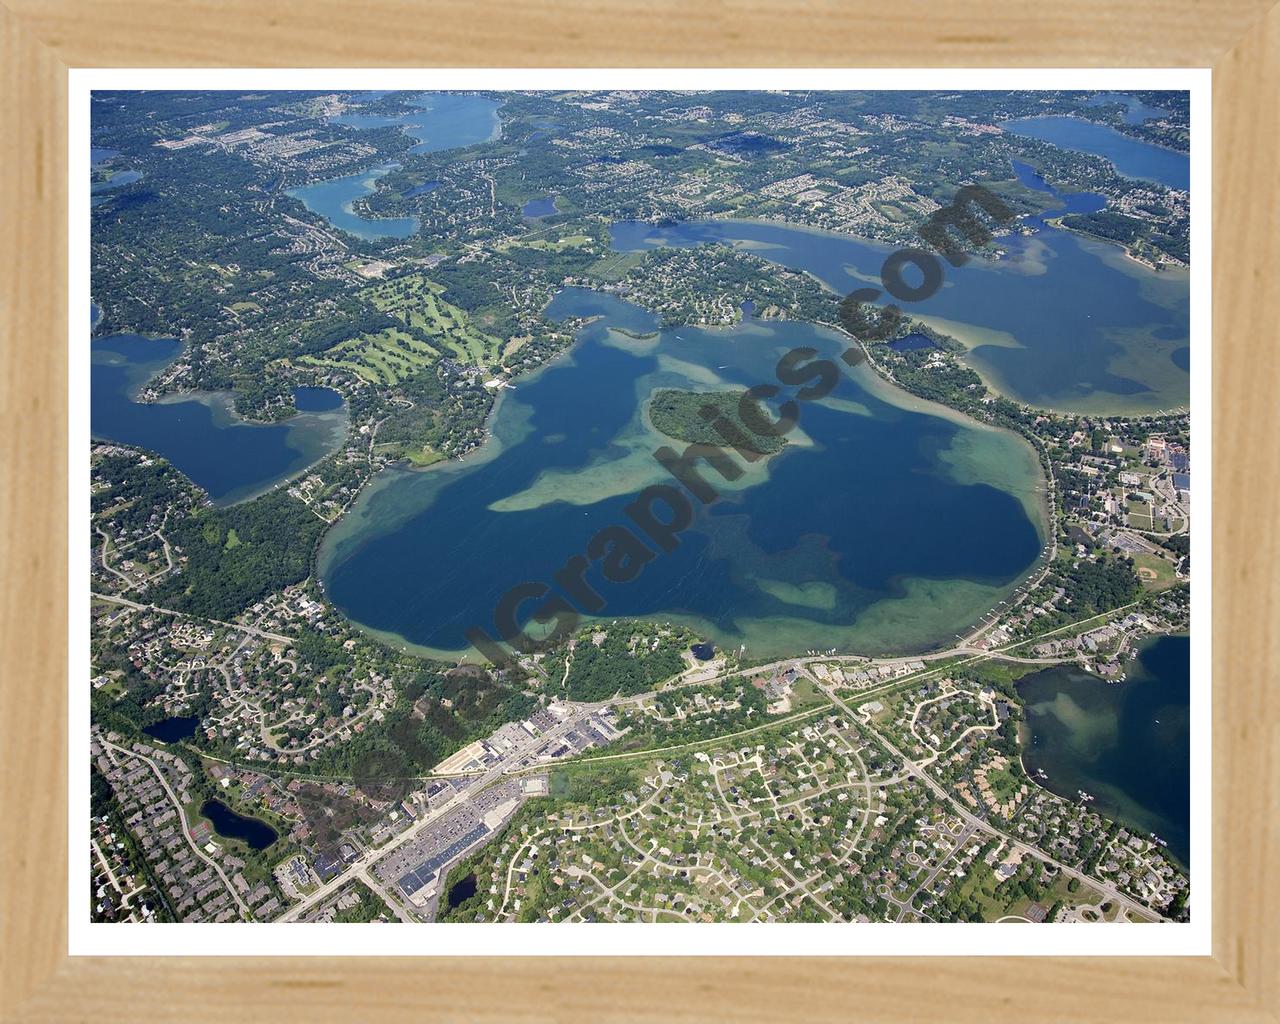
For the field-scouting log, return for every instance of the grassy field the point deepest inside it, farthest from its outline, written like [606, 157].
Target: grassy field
[547, 244]
[387, 357]
[616, 265]
[1139, 515]
[416, 301]
[1160, 567]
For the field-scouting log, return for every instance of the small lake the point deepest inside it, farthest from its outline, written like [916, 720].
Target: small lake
[535, 208]
[1130, 157]
[461, 891]
[911, 343]
[230, 825]
[117, 180]
[173, 730]
[1126, 744]
[420, 190]
[309, 399]
[200, 434]
[99, 155]
[886, 523]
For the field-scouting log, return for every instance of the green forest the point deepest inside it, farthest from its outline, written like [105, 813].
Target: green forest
[683, 415]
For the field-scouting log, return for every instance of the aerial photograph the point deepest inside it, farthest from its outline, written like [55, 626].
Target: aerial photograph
[639, 506]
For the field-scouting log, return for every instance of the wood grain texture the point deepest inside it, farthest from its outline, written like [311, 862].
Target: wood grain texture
[643, 33]
[39, 39]
[33, 510]
[1246, 541]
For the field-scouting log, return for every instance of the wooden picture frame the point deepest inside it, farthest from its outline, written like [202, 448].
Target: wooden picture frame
[42, 39]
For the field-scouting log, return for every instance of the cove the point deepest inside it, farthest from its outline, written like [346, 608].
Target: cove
[1062, 322]
[885, 524]
[1130, 157]
[1126, 744]
[200, 434]
[333, 200]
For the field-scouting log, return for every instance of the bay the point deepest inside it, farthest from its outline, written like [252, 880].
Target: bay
[200, 433]
[1024, 319]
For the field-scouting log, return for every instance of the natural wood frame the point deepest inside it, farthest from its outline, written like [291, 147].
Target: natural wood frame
[41, 39]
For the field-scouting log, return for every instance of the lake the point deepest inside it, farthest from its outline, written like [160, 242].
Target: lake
[172, 730]
[1131, 157]
[117, 180]
[438, 120]
[99, 155]
[230, 825]
[1063, 322]
[886, 524]
[420, 190]
[535, 208]
[1135, 111]
[1127, 744]
[333, 200]
[200, 434]
[461, 891]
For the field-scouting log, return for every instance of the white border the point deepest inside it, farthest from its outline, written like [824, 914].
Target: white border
[86, 938]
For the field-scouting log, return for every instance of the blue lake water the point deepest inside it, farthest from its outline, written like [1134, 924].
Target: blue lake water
[1126, 744]
[911, 343]
[117, 180]
[1135, 111]
[539, 207]
[885, 524]
[171, 730]
[420, 190]
[333, 199]
[201, 434]
[310, 399]
[1062, 322]
[230, 825]
[439, 121]
[1131, 157]
[1068, 202]
[99, 155]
